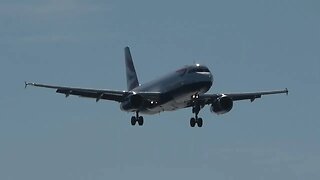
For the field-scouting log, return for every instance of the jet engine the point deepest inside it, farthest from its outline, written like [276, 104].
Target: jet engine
[133, 103]
[136, 100]
[222, 105]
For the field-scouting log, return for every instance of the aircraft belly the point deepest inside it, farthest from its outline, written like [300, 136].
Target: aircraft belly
[175, 99]
[170, 106]
[176, 103]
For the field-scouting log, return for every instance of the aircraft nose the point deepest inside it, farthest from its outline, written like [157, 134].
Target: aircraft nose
[210, 78]
[210, 75]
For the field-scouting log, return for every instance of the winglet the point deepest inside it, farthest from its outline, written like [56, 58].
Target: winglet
[26, 84]
[286, 90]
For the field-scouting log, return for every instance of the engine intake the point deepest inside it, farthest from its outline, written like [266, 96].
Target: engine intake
[134, 102]
[222, 105]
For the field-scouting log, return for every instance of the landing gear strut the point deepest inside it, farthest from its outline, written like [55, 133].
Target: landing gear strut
[137, 118]
[196, 120]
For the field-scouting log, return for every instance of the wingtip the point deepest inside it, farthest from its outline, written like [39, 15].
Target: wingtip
[287, 91]
[26, 84]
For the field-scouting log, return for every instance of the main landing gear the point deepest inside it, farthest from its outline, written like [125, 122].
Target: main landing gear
[196, 120]
[137, 118]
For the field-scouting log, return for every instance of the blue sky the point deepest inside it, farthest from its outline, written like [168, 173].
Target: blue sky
[248, 45]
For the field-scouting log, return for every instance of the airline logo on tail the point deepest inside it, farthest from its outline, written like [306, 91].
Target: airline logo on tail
[132, 79]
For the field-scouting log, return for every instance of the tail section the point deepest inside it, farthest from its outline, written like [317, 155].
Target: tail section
[132, 79]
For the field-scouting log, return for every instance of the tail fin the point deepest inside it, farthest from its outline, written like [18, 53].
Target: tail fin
[132, 79]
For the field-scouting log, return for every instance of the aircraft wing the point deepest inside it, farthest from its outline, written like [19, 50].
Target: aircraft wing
[97, 94]
[210, 98]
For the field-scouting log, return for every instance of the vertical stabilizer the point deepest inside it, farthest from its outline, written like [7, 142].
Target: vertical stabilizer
[132, 79]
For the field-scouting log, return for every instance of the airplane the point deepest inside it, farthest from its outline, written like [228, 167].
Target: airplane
[183, 88]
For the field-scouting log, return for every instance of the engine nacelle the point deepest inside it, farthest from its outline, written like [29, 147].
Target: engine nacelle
[222, 105]
[134, 102]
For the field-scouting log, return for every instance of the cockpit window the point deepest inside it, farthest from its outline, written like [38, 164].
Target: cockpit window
[203, 69]
[198, 69]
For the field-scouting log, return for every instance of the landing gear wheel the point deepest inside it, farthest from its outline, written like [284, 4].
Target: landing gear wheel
[140, 121]
[199, 122]
[133, 120]
[192, 122]
[137, 119]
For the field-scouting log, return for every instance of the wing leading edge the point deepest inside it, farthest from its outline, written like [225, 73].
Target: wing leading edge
[97, 94]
